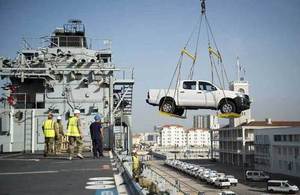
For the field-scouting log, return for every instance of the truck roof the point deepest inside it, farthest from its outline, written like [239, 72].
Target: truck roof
[196, 80]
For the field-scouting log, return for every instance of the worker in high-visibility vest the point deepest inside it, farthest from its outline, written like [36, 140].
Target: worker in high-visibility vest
[50, 130]
[59, 136]
[136, 166]
[75, 135]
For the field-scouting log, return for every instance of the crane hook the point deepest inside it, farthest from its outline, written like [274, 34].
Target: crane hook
[202, 6]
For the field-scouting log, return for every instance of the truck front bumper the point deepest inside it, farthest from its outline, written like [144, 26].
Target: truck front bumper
[242, 103]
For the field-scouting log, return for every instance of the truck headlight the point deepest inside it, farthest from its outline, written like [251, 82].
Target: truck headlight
[240, 95]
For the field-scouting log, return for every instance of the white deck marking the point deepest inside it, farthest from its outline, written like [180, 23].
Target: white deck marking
[101, 178]
[31, 172]
[94, 187]
[20, 159]
[100, 182]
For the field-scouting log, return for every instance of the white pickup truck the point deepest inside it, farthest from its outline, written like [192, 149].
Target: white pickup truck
[197, 94]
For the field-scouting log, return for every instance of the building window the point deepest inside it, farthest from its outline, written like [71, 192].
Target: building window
[277, 138]
[290, 165]
[297, 167]
[280, 164]
[284, 151]
[284, 138]
[290, 138]
[296, 152]
[285, 165]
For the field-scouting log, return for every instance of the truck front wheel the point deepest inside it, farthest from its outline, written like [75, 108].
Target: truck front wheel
[168, 106]
[227, 107]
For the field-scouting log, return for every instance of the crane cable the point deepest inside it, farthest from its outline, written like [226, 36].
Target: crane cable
[183, 52]
[212, 53]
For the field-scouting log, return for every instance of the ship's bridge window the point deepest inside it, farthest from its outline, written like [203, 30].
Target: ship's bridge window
[68, 41]
[31, 55]
[104, 57]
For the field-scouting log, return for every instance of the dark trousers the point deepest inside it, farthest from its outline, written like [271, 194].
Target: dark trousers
[97, 147]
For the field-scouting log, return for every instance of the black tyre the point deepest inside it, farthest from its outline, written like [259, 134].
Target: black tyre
[179, 111]
[227, 107]
[168, 106]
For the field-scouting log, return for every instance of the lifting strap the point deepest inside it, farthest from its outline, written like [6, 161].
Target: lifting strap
[229, 115]
[216, 53]
[173, 115]
[184, 51]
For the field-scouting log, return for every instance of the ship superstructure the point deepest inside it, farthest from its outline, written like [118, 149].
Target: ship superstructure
[63, 74]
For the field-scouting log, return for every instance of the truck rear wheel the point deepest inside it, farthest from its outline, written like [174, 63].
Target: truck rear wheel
[168, 106]
[227, 107]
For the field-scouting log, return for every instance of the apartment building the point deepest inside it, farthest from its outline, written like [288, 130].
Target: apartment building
[237, 143]
[278, 150]
[172, 135]
[198, 137]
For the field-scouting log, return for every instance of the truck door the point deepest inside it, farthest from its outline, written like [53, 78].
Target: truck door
[209, 90]
[190, 95]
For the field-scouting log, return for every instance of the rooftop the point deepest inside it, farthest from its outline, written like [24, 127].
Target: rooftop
[172, 125]
[273, 123]
[196, 129]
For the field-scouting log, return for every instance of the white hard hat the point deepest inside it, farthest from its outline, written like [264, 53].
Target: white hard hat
[59, 118]
[76, 111]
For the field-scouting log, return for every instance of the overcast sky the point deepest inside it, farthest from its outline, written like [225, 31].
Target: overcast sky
[149, 34]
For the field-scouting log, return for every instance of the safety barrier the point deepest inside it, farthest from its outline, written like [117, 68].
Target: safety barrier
[150, 180]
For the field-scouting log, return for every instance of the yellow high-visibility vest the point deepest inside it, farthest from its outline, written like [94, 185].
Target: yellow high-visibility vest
[73, 127]
[135, 162]
[49, 130]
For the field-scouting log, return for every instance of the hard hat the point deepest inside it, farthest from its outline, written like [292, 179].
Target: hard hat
[76, 111]
[59, 118]
[97, 117]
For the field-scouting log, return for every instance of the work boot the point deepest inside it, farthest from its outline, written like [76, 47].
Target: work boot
[80, 156]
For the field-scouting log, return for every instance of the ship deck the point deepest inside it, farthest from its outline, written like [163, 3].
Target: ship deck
[33, 174]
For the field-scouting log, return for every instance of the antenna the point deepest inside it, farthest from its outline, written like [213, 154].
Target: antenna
[238, 67]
